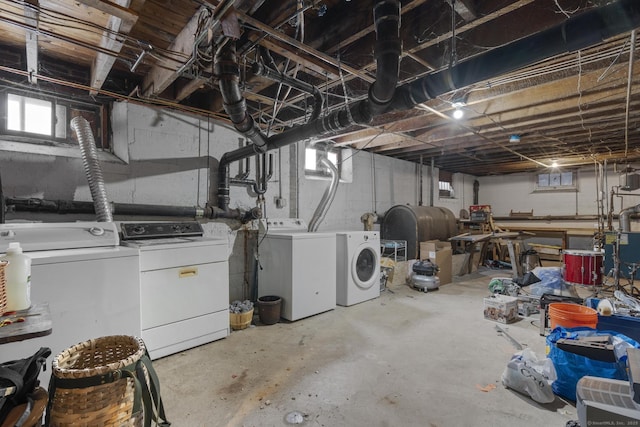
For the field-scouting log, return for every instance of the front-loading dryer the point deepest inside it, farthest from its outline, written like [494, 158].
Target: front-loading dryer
[357, 267]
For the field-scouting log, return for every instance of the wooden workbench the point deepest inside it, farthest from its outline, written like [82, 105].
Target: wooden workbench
[511, 238]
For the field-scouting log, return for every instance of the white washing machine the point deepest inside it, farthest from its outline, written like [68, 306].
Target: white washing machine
[91, 284]
[357, 267]
[297, 266]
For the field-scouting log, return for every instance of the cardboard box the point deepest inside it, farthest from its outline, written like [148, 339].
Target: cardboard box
[501, 308]
[440, 254]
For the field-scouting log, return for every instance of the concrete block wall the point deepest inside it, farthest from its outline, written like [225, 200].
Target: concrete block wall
[162, 157]
[522, 197]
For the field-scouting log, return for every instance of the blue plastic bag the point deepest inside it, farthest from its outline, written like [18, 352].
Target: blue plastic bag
[571, 367]
[551, 282]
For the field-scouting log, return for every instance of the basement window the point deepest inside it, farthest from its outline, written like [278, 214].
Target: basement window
[556, 181]
[29, 115]
[45, 120]
[445, 185]
[340, 157]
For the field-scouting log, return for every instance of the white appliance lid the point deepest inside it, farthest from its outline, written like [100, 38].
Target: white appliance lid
[267, 225]
[173, 242]
[58, 235]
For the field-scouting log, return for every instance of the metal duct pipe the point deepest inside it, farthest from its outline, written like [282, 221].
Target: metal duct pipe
[625, 218]
[243, 216]
[578, 32]
[386, 16]
[420, 183]
[260, 183]
[76, 207]
[387, 21]
[435, 182]
[327, 197]
[227, 69]
[92, 168]
[262, 70]
[381, 92]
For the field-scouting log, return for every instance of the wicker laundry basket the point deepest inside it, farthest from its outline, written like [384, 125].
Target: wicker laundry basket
[93, 383]
[3, 286]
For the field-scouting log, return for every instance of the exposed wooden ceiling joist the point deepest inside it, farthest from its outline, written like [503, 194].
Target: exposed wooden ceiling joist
[31, 18]
[572, 106]
[159, 78]
[120, 23]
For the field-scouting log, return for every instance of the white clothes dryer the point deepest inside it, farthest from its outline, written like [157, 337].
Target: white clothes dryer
[357, 267]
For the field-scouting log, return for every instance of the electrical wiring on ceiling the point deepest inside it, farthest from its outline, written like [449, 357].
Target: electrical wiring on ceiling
[299, 25]
[58, 19]
[568, 64]
[61, 20]
[117, 96]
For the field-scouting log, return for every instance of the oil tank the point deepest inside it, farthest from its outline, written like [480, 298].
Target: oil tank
[417, 224]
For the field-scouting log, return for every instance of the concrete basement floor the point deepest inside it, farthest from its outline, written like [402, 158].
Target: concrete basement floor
[405, 359]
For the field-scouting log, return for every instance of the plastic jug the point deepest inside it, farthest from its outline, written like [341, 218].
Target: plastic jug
[18, 278]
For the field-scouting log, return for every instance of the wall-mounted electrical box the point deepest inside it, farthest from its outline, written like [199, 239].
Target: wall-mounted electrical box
[629, 180]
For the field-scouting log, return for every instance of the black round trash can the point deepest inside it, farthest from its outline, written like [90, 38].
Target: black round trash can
[269, 307]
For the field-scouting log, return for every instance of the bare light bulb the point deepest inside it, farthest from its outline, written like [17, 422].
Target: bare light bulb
[458, 114]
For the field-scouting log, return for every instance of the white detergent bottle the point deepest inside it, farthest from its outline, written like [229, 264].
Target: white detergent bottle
[18, 278]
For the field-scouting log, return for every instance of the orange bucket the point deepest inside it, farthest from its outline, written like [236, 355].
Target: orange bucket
[572, 315]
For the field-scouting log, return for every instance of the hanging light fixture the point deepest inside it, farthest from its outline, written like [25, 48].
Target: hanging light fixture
[458, 113]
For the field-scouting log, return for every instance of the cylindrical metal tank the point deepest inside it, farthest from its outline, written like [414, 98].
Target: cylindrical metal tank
[417, 224]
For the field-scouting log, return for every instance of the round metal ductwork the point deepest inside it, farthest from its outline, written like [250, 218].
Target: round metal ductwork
[417, 224]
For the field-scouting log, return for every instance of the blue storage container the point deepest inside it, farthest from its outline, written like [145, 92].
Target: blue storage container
[626, 325]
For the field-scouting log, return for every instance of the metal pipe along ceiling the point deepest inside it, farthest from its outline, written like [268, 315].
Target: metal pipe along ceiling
[578, 32]
[388, 49]
[262, 70]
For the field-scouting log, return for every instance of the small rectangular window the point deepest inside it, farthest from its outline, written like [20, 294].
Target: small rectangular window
[29, 115]
[45, 119]
[341, 157]
[445, 185]
[312, 167]
[556, 181]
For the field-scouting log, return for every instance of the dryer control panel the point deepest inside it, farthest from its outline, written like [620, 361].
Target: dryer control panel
[158, 230]
[281, 224]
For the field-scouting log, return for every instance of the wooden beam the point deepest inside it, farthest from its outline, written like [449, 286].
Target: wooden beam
[159, 78]
[191, 86]
[116, 8]
[304, 48]
[464, 8]
[229, 21]
[370, 28]
[31, 18]
[313, 64]
[116, 25]
[470, 26]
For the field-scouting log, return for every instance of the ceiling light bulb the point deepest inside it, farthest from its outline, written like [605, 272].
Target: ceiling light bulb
[554, 163]
[458, 114]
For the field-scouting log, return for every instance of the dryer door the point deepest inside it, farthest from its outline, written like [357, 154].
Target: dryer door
[365, 266]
